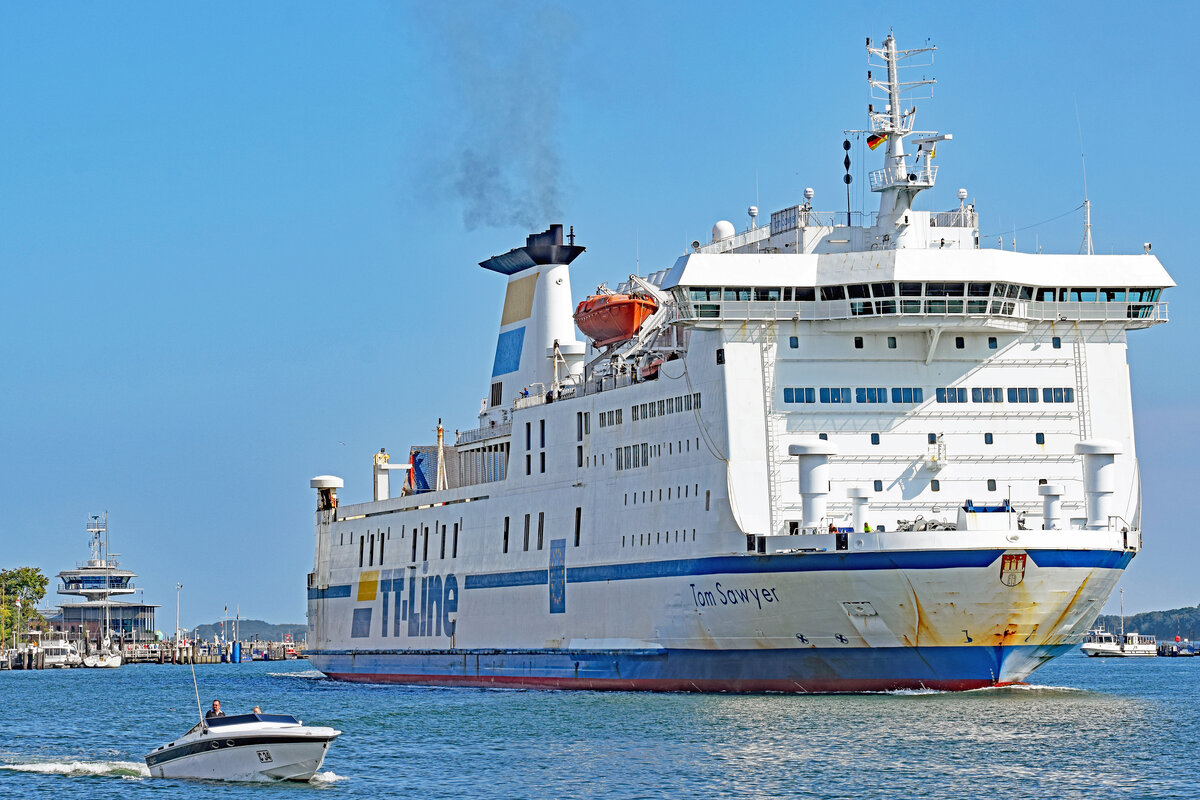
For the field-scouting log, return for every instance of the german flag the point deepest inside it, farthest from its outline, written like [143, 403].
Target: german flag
[876, 139]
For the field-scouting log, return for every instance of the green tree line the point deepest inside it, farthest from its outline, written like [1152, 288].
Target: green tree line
[26, 585]
[1166, 625]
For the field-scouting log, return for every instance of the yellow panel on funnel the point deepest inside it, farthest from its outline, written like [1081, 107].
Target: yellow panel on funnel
[518, 300]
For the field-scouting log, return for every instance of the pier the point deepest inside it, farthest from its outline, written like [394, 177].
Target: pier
[166, 653]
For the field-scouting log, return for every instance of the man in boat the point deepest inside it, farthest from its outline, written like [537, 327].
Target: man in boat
[215, 711]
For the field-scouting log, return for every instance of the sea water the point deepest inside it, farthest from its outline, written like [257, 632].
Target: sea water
[1088, 728]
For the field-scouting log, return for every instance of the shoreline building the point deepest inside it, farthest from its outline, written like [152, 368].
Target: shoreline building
[98, 580]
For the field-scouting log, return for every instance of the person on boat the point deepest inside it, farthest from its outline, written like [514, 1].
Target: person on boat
[833, 528]
[866, 527]
[257, 709]
[215, 711]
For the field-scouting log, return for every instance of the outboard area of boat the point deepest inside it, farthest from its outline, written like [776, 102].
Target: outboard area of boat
[245, 747]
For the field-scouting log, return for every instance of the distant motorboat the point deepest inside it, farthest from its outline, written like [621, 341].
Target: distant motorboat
[246, 747]
[1099, 642]
[59, 653]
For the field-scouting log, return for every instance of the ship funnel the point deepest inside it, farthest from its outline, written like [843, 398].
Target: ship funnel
[536, 326]
[813, 457]
[1099, 479]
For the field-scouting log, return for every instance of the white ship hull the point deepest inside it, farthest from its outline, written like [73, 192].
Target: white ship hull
[855, 621]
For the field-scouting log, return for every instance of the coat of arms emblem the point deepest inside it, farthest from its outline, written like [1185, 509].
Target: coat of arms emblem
[1012, 568]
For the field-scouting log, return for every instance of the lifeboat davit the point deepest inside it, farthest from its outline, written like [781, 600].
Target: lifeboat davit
[611, 318]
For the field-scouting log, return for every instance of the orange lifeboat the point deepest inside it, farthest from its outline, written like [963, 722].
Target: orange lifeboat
[611, 318]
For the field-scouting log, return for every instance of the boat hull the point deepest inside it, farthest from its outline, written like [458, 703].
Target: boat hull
[260, 758]
[825, 622]
[797, 670]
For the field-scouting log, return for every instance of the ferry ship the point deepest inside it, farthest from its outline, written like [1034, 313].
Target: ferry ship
[829, 453]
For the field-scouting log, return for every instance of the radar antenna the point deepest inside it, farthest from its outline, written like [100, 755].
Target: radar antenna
[898, 182]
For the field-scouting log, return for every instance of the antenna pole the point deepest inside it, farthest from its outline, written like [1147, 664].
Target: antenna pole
[196, 686]
[1086, 246]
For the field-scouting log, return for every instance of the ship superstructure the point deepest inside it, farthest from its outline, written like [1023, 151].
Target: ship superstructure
[833, 457]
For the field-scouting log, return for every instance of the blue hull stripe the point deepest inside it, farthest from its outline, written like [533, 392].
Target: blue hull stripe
[806, 562]
[797, 669]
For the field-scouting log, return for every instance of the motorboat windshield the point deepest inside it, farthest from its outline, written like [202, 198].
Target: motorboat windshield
[251, 719]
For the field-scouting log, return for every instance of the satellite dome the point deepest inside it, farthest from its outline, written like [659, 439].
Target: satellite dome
[808, 193]
[962, 194]
[723, 230]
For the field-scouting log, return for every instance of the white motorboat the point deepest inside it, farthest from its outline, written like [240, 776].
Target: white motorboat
[1100, 642]
[246, 747]
[60, 653]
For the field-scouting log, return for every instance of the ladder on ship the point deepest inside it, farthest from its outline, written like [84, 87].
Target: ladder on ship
[1082, 402]
[767, 350]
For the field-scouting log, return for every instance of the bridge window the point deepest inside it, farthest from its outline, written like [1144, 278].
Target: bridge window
[833, 293]
[908, 394]
[858, 291]
[835, 394]
[806, 294]
[737, 293]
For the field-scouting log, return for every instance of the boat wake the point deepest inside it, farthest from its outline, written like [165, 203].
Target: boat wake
[308, 674]
[1009, 689]
[110, 769]
[326, 777]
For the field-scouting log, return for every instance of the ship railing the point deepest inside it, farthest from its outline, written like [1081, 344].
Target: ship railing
[755, 234]
[961, 218]
[1137, 313]
[480, 434]
[923, 175]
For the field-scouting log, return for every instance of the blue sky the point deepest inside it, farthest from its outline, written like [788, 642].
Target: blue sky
[236, 236]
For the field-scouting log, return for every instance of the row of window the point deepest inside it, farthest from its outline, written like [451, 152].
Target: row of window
[632, 456]
[541, 530]
[861, 291]
[610, 418]
[862, 394]
[670, 405]
[996, 394]
[681, 492]
[656, 538]
[936, 486]
[367, 542]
